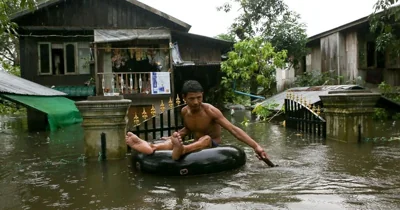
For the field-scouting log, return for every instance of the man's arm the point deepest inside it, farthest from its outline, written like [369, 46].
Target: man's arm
[183, 132]
[236, 131]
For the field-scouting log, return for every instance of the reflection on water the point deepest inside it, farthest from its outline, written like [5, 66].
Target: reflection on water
[48, 171]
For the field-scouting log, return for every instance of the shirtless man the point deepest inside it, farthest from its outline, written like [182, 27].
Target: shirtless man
[201, 119]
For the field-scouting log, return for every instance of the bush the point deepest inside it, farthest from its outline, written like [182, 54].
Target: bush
[315, 78]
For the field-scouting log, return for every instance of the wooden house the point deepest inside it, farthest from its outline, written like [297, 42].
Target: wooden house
[350, 51]
[108, 47]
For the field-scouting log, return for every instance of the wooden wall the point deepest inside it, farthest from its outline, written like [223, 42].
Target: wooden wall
[351, 68]
[329, 52]
[30, 63]
[313, 59]
[198, 49]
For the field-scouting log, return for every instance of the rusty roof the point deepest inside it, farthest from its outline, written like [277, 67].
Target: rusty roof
[311, 94]
[11, 84]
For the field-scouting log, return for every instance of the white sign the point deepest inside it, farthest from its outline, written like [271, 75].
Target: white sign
[160, 83]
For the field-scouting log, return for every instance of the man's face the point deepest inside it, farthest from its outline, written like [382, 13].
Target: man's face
[194, 100]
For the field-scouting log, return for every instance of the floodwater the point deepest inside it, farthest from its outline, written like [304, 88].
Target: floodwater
[48, 171]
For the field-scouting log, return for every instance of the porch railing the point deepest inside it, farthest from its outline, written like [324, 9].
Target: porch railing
[125, 82]
[304, 117]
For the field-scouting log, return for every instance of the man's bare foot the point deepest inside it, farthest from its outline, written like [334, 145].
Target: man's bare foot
[178, 150]
[138, 144]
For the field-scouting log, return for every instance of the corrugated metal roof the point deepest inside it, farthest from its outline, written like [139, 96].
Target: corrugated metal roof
[16, 85]
[311, 94]
[114, 35]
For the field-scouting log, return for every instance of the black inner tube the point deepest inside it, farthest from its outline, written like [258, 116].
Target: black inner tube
[206, 161]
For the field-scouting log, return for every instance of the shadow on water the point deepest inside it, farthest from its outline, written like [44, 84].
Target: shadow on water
[47, 171]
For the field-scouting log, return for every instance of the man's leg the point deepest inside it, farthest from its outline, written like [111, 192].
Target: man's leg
[143, 146]
[179, 149]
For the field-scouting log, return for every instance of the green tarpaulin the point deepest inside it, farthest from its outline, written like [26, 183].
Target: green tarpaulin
[60, 111]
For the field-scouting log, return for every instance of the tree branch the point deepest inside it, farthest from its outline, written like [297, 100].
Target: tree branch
[7, 57]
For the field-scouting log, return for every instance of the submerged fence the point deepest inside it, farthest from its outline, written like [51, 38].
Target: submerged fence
[161, 123]
[303, 116]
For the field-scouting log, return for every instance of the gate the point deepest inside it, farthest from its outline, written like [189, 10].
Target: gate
[303, 116]
[159, 124]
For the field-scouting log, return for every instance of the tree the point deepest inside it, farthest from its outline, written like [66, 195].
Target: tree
[274, 23]
[384, 22]
[9, 52]
[226, 37]
[251, 58]
[272, 20]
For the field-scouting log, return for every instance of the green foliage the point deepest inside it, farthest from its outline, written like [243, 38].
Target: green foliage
[272, 20]
[15, 70]
[396, 116]
[226, 37]
[290, 35]
[315, 79]
[384, 22]
[245, 121]
[389, 91]
[264, 111]
[380, 114]
[9, 52]
[251, 58]
[7, 107]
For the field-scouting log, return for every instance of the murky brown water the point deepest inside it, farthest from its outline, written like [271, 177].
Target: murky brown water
[49, 173]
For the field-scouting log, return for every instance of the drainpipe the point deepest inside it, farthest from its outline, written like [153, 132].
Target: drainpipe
[103, 147]
[338, 57]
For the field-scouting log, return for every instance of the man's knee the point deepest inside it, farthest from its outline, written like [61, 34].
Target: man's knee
[207, 140]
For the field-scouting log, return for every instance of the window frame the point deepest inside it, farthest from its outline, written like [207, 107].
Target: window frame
[75, 58]
[83, 45]
[50, 59]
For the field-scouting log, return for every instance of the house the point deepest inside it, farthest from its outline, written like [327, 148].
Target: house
[104, 47]
[350, 51]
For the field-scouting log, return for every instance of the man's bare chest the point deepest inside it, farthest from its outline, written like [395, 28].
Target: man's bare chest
[198, 123]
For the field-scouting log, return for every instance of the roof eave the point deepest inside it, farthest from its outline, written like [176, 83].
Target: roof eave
[162, 14]
[337, 29]
[134, 2]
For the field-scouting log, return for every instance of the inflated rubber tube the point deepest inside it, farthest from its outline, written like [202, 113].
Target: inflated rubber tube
[206, 161]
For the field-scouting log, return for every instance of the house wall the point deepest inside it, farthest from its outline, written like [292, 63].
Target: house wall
[329, 52]
[197, 50]
[30, 63]
[342, 57]
[284, 78]
[313, 60]
[96, 14]
[348, 50]
[350, 71]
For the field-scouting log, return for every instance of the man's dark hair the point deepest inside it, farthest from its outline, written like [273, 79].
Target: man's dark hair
[191, 86]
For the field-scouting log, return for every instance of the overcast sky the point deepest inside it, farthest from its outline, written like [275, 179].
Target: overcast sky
[318, 15]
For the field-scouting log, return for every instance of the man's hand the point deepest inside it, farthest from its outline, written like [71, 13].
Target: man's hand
[261, 154]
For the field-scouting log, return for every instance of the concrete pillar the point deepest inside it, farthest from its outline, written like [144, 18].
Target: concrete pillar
[104, 114]
[348, 114]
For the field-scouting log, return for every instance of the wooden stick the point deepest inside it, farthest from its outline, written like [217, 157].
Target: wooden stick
[268, 162]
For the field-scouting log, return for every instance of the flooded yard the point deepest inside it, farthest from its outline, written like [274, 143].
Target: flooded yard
[48, 171]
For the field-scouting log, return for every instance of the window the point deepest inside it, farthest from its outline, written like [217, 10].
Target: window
[44, 58]
[375, 58]
[64, 58]
[84, 58]
[70, 58]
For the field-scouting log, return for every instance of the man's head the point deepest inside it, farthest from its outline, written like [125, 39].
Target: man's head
[192, 92]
